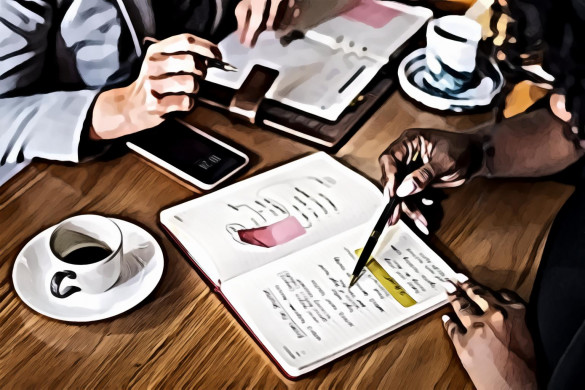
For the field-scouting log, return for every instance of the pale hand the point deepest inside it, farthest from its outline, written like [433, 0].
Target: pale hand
[489, 332]
[168, 82]
[257, 16]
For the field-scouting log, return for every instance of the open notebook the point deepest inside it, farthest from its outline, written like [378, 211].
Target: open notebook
[324, 72]
[293, 297]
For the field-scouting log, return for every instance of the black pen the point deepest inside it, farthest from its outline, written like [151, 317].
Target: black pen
[211, 62]
[374, 236]
[215, 63]
[373, 239]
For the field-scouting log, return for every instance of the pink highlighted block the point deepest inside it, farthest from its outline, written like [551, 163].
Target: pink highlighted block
[371, 13]
[273, 235]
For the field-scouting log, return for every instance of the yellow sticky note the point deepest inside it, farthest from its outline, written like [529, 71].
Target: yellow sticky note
[388, 282]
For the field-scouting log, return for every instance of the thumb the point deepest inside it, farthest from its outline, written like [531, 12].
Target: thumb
[416, 181]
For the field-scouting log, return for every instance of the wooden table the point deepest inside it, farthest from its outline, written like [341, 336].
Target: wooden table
[184, 336]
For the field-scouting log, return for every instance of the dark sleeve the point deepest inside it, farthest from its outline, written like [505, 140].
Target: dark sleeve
[196, 17]
[564, 58]
[569, 372]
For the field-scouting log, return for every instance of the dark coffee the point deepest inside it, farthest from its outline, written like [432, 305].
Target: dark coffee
[87, 255]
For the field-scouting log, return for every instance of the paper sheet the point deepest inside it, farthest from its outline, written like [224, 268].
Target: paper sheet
[323, 73]
[301, 308]
[324, 196]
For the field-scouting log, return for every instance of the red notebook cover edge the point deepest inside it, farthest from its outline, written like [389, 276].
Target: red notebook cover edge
[217, 289]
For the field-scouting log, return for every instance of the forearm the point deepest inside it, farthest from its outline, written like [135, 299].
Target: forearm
[530, 145]
[108, 119]
[47, 126]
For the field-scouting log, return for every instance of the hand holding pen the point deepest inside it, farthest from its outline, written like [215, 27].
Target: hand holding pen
[384, 219]
[446, 160]
[168, 82]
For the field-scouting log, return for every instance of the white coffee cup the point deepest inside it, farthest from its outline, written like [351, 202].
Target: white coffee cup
[451, 52]
[85, 252]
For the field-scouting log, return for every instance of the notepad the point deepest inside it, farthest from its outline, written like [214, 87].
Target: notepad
[324, 72]
[293, 296]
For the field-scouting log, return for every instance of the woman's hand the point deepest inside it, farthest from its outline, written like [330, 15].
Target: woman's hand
[256, 16]
[448, 160]
[168, 82]
[489, 332]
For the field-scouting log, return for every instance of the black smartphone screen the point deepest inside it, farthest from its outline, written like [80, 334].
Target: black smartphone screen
[190, 152]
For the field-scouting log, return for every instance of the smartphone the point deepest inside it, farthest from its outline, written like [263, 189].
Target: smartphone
[189, 153]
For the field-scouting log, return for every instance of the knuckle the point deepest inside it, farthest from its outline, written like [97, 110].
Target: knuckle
[497, 316]
[425, 173]
[152, 50]
[191, 63]
[148, 86]
[150, 68]
[185, 103]
[151, 105]
[412, 132]
[188, 38]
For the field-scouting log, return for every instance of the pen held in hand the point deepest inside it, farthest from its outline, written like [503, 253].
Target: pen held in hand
[211, 62]
[215, 63]
[375, 235]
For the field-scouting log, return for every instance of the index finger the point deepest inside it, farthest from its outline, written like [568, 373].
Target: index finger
[389, 171]
[187, 43]
[276, 13]
[257, 23]
[389, 161]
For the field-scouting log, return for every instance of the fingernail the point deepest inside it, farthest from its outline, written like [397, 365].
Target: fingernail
[449, 288]
[445, 318]
[386, 193]
[461, 278]
[427, 202]
[421, 227]
[406, 188]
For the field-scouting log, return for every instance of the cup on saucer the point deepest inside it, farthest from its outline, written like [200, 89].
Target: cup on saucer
[450, 73]
[451, 53]
[85, 252]
[140, 269]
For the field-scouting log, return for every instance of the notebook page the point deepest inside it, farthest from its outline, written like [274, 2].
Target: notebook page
[324, 196]
[373, 28]
[313, 77]
[302, 311]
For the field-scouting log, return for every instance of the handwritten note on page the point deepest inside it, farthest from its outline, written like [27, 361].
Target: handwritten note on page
[303, 312]
[324, 197]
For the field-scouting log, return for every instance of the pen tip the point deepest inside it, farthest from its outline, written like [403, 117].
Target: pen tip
[231, 68]
[352, 281]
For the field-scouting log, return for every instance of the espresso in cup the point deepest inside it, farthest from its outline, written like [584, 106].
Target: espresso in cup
[86, 251]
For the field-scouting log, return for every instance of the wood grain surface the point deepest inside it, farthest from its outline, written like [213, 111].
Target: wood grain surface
[183, 336]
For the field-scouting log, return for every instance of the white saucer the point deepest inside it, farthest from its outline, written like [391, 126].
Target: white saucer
[141, 270]
[411, 73]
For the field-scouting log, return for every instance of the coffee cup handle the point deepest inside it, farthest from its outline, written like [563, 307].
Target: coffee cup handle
[56, 283]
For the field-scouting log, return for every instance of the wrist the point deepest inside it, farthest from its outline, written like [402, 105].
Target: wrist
[485, 156]
[482, 153]
[110, 118]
